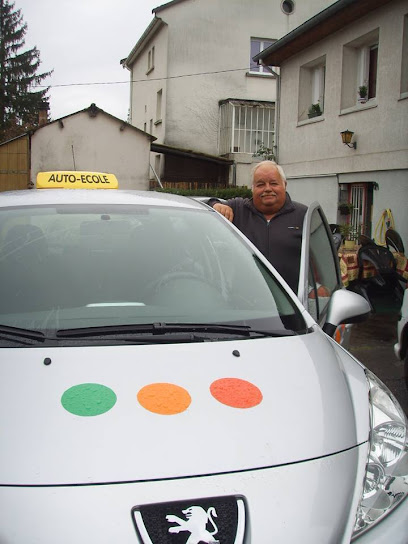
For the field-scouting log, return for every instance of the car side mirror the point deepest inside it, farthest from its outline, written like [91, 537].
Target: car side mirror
[345, 307]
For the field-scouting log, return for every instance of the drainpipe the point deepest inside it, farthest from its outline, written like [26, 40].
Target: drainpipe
[277, 110]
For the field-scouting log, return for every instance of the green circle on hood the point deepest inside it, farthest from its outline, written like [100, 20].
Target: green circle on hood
[88, 399]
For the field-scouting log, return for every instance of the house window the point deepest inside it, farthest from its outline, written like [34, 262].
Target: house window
[372, 71]
[150, 60]
[360, 64]
[404, 66]
[246, 126]
[151, 126]
[258, 45]
[288, 6]
[159, 105]
[311, 88]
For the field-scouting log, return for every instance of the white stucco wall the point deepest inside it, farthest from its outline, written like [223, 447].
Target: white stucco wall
[322, 189]
[82, 142]
[209, 38]
[313, 148]
[148, 84]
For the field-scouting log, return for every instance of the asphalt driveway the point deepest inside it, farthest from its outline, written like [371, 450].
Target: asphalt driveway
[372, 343]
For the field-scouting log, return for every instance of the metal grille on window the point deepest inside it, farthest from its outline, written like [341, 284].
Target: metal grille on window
[357, 213]
[244, 128]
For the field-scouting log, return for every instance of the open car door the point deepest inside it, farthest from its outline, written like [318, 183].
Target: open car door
[319, 275]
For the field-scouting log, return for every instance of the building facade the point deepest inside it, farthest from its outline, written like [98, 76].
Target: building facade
[89, 140]
[195, 87]
[352, 61]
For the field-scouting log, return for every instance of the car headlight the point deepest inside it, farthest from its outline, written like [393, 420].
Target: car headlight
[386, 477]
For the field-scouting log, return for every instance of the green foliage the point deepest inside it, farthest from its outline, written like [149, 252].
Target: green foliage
[225, 193]
[349, 232]
[345, 208]
[19, 105]
[265, 152]
[315, 108]
[362, 91]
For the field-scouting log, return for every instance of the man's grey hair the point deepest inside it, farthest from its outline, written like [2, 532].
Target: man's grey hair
[278, 167]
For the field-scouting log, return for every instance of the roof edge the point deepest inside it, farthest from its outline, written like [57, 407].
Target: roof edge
[150, 31]
[178, 151]
[92, 111]
[166, 5]
[335, 14]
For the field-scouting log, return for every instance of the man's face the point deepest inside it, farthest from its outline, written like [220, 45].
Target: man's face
[268, 189]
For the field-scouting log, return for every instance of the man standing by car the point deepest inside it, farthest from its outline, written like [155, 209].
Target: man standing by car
[270, 219]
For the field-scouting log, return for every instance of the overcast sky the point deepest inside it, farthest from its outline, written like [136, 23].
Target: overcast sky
[83, 41]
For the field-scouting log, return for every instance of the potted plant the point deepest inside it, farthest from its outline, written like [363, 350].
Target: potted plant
[314, 110]
[362, 93]
[265, 153]
[347, 233]
[345, 208]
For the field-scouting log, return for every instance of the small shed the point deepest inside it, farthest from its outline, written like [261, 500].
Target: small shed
[14, 164]
[89, 140]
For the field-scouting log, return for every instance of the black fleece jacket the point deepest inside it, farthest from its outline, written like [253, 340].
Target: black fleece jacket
[279, 239]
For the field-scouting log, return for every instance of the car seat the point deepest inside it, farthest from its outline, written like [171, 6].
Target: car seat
[24, 271]
[24, 242]
[337, 240]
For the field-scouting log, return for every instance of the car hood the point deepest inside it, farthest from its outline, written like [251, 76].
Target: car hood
[81, 415]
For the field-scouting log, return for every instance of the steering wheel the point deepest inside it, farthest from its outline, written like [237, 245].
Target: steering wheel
[174, 276]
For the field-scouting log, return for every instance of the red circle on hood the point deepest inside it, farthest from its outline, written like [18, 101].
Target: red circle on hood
[236, 393]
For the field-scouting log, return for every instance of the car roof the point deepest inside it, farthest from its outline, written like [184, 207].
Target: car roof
[92, 196]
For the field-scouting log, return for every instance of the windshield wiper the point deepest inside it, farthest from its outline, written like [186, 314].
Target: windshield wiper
[170, 328]
[16, 333]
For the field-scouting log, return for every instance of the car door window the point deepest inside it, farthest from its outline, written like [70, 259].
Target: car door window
[320, 276]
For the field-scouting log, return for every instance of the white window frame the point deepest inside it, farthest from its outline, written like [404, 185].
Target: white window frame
[404, 60]
[312, 76]
[159, 99]
[263, 44]
[356, 69]
[150, 60]
[364, 67]
[318, 76]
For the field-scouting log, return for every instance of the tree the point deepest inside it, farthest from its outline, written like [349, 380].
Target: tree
[19, 103]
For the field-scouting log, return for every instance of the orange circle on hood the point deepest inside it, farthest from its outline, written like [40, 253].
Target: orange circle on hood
[164, 398]
[236, 393]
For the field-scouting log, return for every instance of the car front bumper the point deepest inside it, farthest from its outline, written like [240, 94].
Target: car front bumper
[308, 502]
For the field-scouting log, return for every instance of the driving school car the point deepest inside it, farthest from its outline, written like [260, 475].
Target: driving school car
[161, 384]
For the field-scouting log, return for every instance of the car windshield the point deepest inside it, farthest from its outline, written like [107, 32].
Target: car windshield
[101, 269]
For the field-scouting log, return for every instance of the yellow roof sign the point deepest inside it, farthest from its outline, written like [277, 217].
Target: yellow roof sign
[76, 180]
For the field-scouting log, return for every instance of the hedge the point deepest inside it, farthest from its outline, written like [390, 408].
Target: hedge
[224, 193]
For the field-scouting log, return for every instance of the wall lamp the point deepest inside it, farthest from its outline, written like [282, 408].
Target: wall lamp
[346, 137]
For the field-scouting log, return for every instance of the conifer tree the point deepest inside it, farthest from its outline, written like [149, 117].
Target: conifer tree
[19, 101]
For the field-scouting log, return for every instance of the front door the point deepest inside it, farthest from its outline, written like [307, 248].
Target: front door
[360, 195]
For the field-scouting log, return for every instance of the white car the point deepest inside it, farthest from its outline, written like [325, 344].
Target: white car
[401, 347]
[160, 383]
